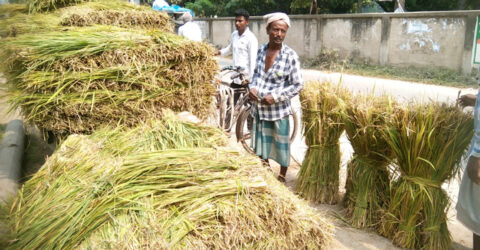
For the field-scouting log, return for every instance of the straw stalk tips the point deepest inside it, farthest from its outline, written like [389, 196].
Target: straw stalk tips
[115, 189]
[368, 178]
[322, 104]
[428, 141]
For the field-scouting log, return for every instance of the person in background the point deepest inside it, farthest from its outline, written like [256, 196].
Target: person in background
[468, 205]
[276, 80]
[189, 29]
[243, 44]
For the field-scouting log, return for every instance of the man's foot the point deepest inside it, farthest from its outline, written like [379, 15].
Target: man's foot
[281, 178]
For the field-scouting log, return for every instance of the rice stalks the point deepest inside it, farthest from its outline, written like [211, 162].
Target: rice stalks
[322, 105]
[428, 141]
[80, 80]
[35, 6]
[368, 180]
[102, 192]
[16, 20]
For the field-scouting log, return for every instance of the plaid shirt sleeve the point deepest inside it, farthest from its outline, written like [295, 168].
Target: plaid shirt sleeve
[293, 79]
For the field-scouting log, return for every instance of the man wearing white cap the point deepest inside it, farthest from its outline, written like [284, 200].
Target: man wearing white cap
[276, 79]
[189, 29]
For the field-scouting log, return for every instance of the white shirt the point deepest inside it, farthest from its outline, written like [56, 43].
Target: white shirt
[160, 3]
[191, 31]
[244, 50]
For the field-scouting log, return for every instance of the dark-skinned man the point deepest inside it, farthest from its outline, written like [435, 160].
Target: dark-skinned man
[243, 43]
[276, 80]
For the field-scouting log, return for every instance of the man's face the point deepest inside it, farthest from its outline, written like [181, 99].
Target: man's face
[276, 32]
[241, 24]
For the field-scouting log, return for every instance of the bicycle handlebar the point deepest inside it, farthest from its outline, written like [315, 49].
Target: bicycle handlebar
[234, 68]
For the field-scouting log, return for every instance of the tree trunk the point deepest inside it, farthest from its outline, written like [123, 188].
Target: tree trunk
[313, 7]
[401, 3]
[461, 4]
[359, 6]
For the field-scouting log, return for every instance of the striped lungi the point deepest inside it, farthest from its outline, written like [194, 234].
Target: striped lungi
[271, 141]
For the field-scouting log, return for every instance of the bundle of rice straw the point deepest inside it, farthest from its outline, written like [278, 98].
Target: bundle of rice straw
[87, 196]
[79, 80]
[322, 107]
[368, 181]
[46, 5]
[428, 141]
[119, 13]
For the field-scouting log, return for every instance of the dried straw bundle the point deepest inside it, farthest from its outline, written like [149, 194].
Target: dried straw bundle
[17, 20]
[322, 105]
[428, 141]
[86, 195]
[35, 6]
[167, 133]
[368, 181]
[122, 18]
[77, 81]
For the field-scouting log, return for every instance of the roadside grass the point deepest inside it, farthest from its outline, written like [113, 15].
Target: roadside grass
[436, 76]
[329, 60]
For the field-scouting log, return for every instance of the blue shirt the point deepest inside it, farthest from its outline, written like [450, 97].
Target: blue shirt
[283, 81]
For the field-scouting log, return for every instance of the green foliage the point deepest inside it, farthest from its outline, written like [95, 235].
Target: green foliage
[202, 8]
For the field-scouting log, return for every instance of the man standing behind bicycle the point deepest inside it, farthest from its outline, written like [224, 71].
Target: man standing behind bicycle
[276, 79]
[243, 44]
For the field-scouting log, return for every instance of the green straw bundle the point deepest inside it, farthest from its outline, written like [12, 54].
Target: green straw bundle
[322, 107]
[46, 5]
[79, 80]
[15, 19]
[102, 192]
[368, 178]
[428, 141]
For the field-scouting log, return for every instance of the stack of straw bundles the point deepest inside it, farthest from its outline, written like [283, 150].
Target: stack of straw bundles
[16, 20]
[322, 108]
[46, 5]
[92, 193]
[76, 81]
[368, 182]
[428, 141]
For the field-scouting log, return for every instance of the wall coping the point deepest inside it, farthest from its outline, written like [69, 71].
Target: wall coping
[420, 14]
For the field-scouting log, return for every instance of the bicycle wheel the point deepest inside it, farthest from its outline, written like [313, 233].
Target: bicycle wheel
[245, 123]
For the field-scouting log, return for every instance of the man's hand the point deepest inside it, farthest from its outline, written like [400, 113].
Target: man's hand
[268, 100]
[216, 53]
[253, 95]
[473, 169]
[467, 100]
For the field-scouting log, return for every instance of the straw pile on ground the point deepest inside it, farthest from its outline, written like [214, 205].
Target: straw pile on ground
[16, 20]
[322, 106]
[79, 80]
[428, 141]
[368, 178]
[45, 5]
[95, 192]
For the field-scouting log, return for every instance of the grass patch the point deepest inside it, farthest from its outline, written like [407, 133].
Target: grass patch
[437, 76]
[2, 130]
[330, 60]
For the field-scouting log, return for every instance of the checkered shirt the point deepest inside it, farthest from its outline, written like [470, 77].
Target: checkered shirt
[283, 81]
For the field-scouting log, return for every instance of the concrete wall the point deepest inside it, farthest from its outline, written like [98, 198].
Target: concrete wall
[427, 39]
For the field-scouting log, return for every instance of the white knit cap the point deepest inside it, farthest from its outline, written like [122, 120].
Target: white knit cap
[272, 17]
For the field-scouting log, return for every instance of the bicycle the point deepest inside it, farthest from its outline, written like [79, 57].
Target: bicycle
[239, 113]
